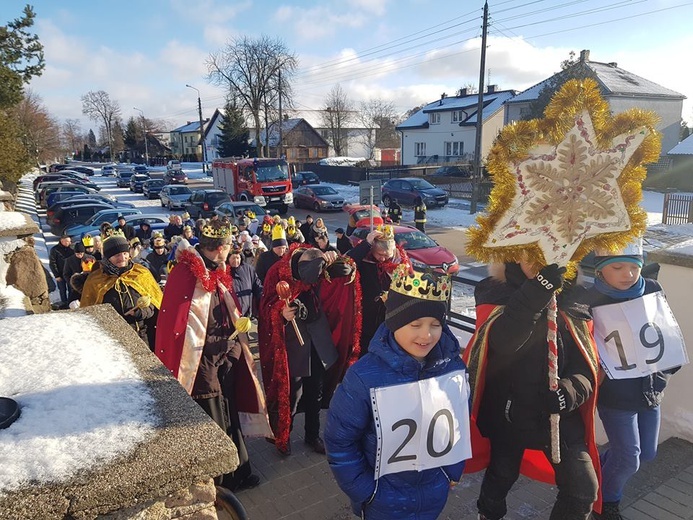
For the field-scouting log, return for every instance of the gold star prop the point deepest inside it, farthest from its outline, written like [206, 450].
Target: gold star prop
[567, 183]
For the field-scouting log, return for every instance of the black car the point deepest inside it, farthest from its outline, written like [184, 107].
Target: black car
[406, 191]
[152, 187]
[83, 169]
[123, 178]
[137, 181]
[202, 203]
[453, 171]
[304, 178]
[74, 215]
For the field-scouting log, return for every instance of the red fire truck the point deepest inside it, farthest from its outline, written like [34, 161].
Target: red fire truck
[266, 182]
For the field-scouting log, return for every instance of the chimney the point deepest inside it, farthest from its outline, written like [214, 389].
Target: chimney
[462, 92]
[491, 89]
[613, 64]
[584, 56]
[442, 97]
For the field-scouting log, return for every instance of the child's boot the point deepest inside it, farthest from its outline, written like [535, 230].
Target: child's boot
[610, 511]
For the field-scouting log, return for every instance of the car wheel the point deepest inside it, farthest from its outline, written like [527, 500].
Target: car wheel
[316, 207]
[386, 201]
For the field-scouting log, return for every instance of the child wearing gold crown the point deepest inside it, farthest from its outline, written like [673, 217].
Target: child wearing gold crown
[397, 429]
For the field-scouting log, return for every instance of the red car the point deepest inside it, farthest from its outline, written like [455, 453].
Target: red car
[423, 251]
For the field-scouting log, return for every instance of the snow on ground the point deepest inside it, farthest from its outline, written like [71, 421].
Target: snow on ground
[83, 402]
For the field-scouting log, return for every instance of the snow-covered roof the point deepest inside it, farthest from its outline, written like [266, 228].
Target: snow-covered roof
[188, 127]
[492, 102]
[685, 147]
[614, 81]
[287, 126]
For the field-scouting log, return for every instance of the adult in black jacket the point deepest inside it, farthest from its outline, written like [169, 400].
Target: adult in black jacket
[395, 212]
[174, 228]
[246, 283]
[516, 403]
[376, 258]
[267, 260]
[158, 258]
[144, 233]
[126, 229]
[56, 262]
[306, 227]
[77, 263]
[343, 242]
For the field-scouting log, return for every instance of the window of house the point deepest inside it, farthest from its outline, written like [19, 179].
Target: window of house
[434, 118]
[420, 149]
[457, 116]
[524, 111]
[454, 147]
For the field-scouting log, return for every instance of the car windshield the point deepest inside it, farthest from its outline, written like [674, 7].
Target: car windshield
[181, 190]
[324, 190]
[272, 172]
[363, 213]
[215, 198]
[411, 240]
[420, 184]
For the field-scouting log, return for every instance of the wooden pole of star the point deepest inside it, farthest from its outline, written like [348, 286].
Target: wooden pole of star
[555, 418]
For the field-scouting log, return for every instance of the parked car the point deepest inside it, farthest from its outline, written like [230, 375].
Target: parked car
[108, 170]
[318, 198]
[453, 171]
[86, 170]
[202, 203]
[59, 195]
[175, 177]
[141, 168]
[70, 215]
[303, 178]
[93, 224]
[423, 251]
[174, 197]
[406, 191]
[100, 197]
[123, 178]
[234, 209]
[45, 193]
[361, 215]
[156, 221]
[137, 181]
[80, 178]
[81, 198]
[54, 177]
[173, 164]
[152, 187]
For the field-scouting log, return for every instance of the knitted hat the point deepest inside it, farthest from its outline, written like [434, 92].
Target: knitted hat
[278, 236]
[632, 253]
[115, 244]
[79, 247]
[415, 294]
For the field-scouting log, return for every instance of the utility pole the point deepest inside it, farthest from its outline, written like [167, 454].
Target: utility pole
[144, 129]
[202, 133]
[479, 118]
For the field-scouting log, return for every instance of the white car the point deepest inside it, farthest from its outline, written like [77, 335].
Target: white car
[108, 170]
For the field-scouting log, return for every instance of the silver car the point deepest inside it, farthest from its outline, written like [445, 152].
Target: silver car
[174, 196]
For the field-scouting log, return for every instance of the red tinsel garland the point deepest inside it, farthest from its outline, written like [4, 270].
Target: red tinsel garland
[208, 279]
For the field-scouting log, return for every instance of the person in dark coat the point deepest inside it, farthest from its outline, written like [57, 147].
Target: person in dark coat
[144, 233]
[629, 408]
[174, 227]
[414, 344]
[508, 367]
[343, 242]
[322, 241]
[125, 229]
[420, 214]
[90, 247]
[267, 259]
[56, 261]
[77, 263]
[395, 212]
[376, 258]
[246, 283]
[158, 258]
[306, 227]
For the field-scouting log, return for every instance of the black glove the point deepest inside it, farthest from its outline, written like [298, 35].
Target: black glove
[556, 400]
[550, 277]
[338, 269]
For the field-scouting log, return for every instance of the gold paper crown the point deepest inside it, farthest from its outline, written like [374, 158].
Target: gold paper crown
[88, 240]
[387, 231]
[291, 221]
[210, 231]
[250, 214]
[278, 233]
[423, 285]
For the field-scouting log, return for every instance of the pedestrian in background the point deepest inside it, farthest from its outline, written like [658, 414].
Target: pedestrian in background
[420, 214]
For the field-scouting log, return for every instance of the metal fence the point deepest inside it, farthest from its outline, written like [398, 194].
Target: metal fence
[678, 208]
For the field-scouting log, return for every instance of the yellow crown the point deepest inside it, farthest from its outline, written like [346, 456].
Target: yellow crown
[423, 285]
[250, 214]
[88, 240]
[278, 233]
[387, 231]
[211, 231]
[291, 221]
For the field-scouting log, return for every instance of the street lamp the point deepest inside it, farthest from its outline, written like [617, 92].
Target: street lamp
[144, 129]
[202, 135]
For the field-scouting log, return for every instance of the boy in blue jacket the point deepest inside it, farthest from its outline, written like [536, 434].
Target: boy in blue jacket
[397, 429]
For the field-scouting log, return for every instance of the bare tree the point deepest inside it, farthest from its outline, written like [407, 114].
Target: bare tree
[39, 131]
[337, 115]
[378, 117]
[99, 107]
[250, 68]
[72, 135]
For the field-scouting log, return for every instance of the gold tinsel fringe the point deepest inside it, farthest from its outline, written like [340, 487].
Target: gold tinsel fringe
[517, 138]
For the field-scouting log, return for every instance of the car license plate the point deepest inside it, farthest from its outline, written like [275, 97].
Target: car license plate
[275, 199]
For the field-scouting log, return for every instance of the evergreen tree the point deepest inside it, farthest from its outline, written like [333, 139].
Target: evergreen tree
[570, 69]
[233, 141]
[132, 137]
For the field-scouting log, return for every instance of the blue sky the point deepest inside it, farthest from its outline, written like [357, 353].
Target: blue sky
[143, 53]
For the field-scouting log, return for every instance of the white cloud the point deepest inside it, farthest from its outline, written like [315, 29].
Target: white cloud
[318, 22]
[377, 7]
[201, 11]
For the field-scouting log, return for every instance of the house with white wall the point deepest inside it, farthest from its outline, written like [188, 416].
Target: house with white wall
[623, 90]
[444, 131]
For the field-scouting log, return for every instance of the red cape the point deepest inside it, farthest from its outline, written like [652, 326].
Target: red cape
[341, 302]
[534, 465]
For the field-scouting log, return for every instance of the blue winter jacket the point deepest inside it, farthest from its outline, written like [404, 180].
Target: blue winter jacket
[350, 435]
